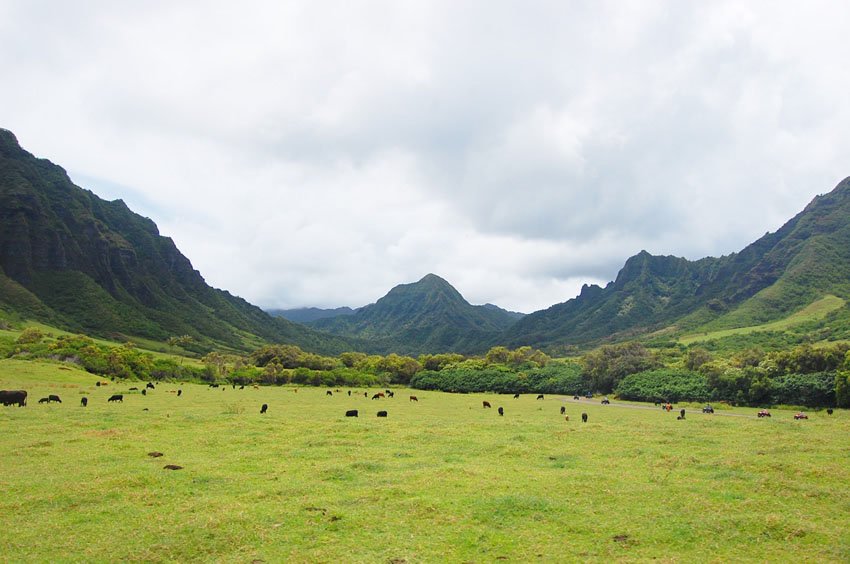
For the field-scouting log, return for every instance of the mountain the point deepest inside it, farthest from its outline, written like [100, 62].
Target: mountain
[72, 259]
[807, 259]
[428, 316]
[308, 314]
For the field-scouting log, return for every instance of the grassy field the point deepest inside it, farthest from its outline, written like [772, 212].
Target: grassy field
[812, 312]
[441, 479]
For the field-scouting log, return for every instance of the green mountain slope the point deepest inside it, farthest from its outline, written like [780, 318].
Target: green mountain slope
[427, 316]
[806, 259]
[71, 258]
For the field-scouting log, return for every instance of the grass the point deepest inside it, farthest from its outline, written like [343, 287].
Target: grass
[813, 312]
[439, 480]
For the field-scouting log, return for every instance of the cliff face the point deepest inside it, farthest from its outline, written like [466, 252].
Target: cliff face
[104, 269]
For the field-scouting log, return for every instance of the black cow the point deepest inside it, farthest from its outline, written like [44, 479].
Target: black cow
[516, 396]
[133, 389]
[329, 393]
[44, 400]
[575, 397]
[829, 411]
[242, 387]
[382, 414]
[179, 393]
[145, 392]
[54, 397]
[584, 417]
[97, 383]
[563, 410]
[116, 397]
[9, 397]
[349, 393]
[486, 404]
[390, 394]
[84, 402]
[501, 411]
[351, 413]
[378, 395]
[682, 413]
[540, 396]
[605, 401]
[150, 386]
[264, 408]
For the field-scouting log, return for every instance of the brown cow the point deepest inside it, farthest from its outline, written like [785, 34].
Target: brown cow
[414, 398]
[486, 404]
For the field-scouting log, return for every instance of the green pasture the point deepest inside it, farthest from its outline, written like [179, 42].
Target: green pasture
[813, 312]
[439, 480]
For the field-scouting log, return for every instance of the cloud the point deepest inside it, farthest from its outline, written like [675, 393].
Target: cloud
[307, 153]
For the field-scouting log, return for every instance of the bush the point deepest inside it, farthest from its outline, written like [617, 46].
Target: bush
[664, 385]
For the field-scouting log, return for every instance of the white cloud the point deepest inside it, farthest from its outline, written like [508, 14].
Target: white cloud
[319, 153]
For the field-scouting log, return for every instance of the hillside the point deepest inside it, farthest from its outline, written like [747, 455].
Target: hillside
[308, 314]
[781, 273]
[72, 259]
[427, 316]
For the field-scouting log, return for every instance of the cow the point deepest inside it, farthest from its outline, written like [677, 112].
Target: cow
[563, 410]
[349, 393]
[179, 393]
[800, 415]
[829, 411]
[763, 413]
[351, 413]
[133, 389]
[486, 404]
[54, 397]
[584, 417]
[44, 400]
[516, 396]
[172, 467]
[9, 397]
[682, 413]
[414, 398]
[84, 401]
[501, 411]
[329, 393]
[116, 397]
[97, 383]
[145, 392]
[390, 394]
[150, 386]
[540, 396]
[377, 396]
[382, 414]
[575, 398]
[708, 409]
[679, 418]
[605, 401]
[213, 385]
[264, 408]
[242, 387]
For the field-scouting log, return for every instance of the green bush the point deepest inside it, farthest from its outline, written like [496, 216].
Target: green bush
[664, 385]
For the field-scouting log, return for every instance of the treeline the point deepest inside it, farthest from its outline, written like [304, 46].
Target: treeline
[803, 375]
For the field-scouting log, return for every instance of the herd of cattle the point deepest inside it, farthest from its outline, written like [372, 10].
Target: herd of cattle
[19, 398]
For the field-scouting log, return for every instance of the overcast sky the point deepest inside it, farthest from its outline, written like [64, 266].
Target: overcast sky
[319, 153]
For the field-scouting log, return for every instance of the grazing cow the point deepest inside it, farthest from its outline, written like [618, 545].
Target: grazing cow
[351, 413]
[377, 396]
[682, 413]
[563, 410]
[605, 401]
[213, 385]
[584, 417]
[708, 409]
[800, 415]
[414, 398]
[349, 393]
[329, 393]
[44, 400]
[365, 394]
[575, 397]
[97, 383]
[9, 397]
[155, 454]
[679, 418]
[382, 414]
[540, 396]
[179, 393]
[53, 397]
[145, 392]
[84, 402]
[264, 408]
[133, 389]
[172, 467]
[501, 411]
[486, 404]
[829, 411]
[242, 387]
[150, 386]
[388, 391]
[516, 396]
[390, 394]
[116, 397]
[763, 413]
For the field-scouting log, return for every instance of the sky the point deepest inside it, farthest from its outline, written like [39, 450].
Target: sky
[319, 153]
